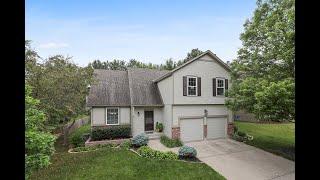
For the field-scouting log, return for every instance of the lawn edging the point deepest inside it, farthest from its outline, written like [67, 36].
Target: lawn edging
[107, 141]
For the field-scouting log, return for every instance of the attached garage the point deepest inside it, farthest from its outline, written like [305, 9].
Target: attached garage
[191, 129]
[216, 127]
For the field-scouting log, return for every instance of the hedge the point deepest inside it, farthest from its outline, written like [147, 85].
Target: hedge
[110, 132]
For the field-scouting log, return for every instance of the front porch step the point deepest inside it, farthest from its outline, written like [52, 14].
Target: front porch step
[154, 135]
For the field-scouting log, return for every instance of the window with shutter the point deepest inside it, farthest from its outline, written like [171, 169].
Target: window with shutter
[220, 84]
[192, 86]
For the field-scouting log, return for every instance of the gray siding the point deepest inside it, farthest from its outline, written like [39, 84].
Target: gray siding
[99, 116]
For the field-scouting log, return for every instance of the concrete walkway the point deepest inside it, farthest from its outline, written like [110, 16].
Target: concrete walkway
[238, 161]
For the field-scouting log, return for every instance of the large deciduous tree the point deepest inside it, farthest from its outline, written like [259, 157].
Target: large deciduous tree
[59, 84]
[263, 74]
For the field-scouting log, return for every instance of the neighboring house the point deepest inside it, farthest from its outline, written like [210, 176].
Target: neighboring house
[245, 116]
[188, 100]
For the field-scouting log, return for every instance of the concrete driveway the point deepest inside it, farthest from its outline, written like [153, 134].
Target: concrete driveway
[238, 161]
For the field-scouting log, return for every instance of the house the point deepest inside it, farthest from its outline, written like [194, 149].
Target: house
[188, 100]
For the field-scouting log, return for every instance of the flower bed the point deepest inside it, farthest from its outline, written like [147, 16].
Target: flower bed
[89, 142]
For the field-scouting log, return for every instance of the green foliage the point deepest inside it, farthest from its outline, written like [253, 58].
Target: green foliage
[278, 138]
[39, 144]
[111, 132]
[80, 135]
[170, 143]
[115, 164]
[276, 101]
[133, 63]
[263, 74]
[187, 152]
[273, 101]
[59, 84]
[126, 144]
[242, 134]
[140, 140]
[146, 151]
[159, 127]
[194, 53]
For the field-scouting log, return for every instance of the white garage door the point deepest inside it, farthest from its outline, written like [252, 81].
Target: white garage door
[191, 129]
[216, 128]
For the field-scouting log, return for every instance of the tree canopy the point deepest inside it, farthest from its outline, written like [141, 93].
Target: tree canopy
[263, 74]
[123, 65]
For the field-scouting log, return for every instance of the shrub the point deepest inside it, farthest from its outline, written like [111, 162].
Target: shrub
[241, 134]
[187, 152]
[79, 136]
[170, 142]
[159, 127]
[112, 132]
[147, 152]
[235, 129]
[126, 144]
[140, 140]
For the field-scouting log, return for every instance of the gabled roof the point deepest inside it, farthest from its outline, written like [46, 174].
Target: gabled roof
[125, 88]
[111, 89]
[142, 89]
[208, 52]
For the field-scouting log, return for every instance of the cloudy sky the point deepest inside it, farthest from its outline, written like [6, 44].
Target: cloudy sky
[146, 30]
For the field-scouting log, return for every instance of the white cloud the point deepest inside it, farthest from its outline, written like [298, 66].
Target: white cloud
[53, 45]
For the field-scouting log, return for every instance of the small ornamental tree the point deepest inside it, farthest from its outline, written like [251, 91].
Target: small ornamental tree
[39, 144]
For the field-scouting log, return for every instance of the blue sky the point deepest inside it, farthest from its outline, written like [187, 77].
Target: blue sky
[149, 31]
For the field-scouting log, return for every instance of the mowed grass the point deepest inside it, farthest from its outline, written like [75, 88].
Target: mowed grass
[275, 138]
[110, 163]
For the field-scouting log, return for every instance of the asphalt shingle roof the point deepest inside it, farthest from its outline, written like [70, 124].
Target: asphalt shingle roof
[111, 89]
[124, 88]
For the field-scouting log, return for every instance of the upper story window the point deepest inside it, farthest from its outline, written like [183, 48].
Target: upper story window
[220, 86]
[192, 86]
[112, 116]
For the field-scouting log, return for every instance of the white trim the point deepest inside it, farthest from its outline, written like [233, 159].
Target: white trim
[196, 86]
[107, 115]
[224, 84]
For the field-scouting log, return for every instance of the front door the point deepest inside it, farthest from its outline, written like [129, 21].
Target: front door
[148, 121]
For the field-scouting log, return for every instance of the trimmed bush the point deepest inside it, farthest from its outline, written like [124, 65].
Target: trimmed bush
[187, 152]
[241, 134]
[126, 144]
[79, 136]
[170, 143]
[140, 140]
[111, 132]
[147, 152]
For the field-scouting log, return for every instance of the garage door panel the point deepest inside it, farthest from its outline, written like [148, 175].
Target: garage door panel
[191, 129]
[216, 128]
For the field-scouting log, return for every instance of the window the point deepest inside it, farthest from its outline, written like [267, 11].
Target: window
[220, 87]
[112, 116]
[192, 86]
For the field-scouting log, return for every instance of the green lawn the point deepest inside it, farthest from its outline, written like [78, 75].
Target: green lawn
[275, 138]
[120, 164]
